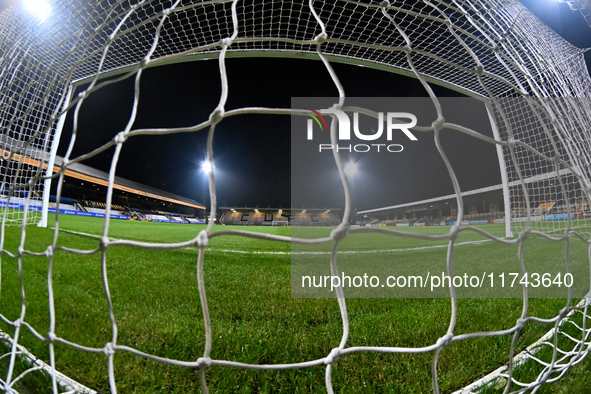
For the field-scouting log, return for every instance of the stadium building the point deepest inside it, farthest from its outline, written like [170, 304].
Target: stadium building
[84, 189]
[249, 216]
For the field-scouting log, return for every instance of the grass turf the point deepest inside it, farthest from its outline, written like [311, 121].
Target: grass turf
[254, 318]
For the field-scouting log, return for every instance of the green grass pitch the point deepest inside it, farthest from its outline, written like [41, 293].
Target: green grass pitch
[254, 317]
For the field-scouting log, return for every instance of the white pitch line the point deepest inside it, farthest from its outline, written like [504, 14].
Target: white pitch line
[312, 253]
[354, 251]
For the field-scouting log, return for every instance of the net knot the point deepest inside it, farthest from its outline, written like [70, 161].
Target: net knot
[321, 38]
[120, 138]
[407, 49]
[519, 324]
[203, 362]
[385, 3]
[202, 238]
[51, 336]
[454, 232]
[217, 115]
[17, 323]
[104, 243]
[145, 61]
[340, 232]
[83, 95]
[20, 251]
[108, 349]
[334, 355]
[524, 234]
[479, 70]
[445, 340]
[49, 251]
[226, 42]
[438, 123]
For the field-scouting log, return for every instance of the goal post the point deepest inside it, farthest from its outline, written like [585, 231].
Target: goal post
[56, 55]
[51, 161]
[503, 172]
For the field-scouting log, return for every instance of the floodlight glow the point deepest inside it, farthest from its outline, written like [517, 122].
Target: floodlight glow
[39, 8]
[207, 166]
[351, 168]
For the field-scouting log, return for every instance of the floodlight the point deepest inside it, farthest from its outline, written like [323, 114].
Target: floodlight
[207, 166]
[40, 8]
[351, 168]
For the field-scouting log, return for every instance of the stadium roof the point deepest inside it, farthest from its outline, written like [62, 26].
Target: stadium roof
[89, 174]
[24, 152]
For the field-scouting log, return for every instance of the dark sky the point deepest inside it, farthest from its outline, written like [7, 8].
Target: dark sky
[252, 153]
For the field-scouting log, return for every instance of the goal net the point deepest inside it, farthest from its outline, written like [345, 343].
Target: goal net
[535, 85]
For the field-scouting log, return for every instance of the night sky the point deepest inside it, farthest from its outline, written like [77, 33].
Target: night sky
[252, 153]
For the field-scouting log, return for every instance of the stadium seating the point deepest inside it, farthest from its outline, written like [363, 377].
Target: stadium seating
[20, 200]
[157, 218]
[69, 207]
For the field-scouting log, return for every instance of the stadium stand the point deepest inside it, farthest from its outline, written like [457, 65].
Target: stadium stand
[69, 207]
[83, 191]
[20, 201]
[249, 216]
[157, 218]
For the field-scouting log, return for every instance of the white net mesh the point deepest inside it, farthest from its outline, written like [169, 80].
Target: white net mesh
[535, 83]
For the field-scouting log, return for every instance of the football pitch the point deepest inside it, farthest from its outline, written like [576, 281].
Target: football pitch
[254, 318]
